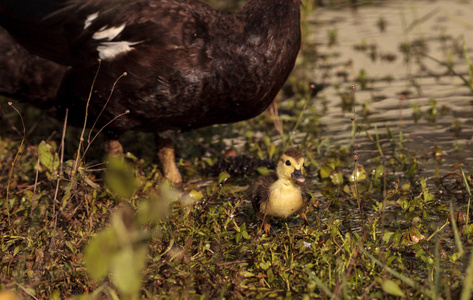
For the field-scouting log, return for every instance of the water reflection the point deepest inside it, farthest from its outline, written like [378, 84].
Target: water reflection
[391, 52]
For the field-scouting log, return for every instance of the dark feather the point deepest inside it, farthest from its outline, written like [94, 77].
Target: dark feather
[28, 77]
[258, 192]
[297, 155]
[188, 65]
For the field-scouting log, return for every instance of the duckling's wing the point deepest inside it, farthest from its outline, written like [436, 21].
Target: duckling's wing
[306, 195]
[258, 192]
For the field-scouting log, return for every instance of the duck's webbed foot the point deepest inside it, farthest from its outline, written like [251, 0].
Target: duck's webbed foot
[266, 227]
[168, 160]
[265, 224]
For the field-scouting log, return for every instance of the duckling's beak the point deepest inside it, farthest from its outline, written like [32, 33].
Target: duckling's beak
[297, 175]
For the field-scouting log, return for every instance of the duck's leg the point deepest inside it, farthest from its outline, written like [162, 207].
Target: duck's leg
[273, 111]
[304, 217]
[168, 159]
[266, 226]
[113, 147]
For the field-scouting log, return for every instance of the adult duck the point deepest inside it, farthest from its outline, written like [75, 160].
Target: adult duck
[187, 64]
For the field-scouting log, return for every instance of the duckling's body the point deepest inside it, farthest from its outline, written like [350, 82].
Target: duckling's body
[285, 198]
[281, 194]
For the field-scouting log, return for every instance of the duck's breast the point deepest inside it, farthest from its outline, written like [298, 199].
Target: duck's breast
[284, 201]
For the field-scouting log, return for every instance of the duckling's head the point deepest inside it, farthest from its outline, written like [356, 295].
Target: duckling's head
[291, 166]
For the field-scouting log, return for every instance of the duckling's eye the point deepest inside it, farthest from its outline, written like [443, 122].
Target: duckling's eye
[288, 163]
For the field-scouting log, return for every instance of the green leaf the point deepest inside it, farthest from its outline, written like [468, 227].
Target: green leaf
[238, 237]
[196, 195]
[222, 177]
[99, 253]
[358, 175]
[56, 295]
[325, 171]
[455, 256]
[263, 170]
[265, 265]
[336, 177]
[243, 232]
[425, 190]
[127, 268]
[406, 186]
[48, 156]
[380, 170]
[120, 178]
[271, 150]
[387, 236]
[270, 275]
[392, 288]
[412, 169]
[247, 274]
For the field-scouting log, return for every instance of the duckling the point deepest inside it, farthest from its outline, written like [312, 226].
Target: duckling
[283, 193]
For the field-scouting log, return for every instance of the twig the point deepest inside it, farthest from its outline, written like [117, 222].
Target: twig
[422, 19]
[61, 160]
[450, 68]
[103, 127]
[34, 188]
[356, 157]
[26, 291]
[103, 108]
[14, 161]
[273, 110]
[76, 163]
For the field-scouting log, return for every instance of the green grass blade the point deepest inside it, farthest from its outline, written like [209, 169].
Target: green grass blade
[320, 284]
[468, 282]
[455, 231]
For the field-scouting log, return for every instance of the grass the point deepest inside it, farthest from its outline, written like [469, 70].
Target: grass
[77, 228]
[128, 235]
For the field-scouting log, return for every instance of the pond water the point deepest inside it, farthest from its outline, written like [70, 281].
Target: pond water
[405, 91]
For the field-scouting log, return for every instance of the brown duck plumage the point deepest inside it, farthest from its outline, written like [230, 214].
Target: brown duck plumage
[188, 64]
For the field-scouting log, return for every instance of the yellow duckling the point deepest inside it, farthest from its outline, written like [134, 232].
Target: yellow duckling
[281, 194]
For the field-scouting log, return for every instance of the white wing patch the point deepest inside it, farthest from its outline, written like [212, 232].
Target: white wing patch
[110, 50]
[90, 19]
[108, 33]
